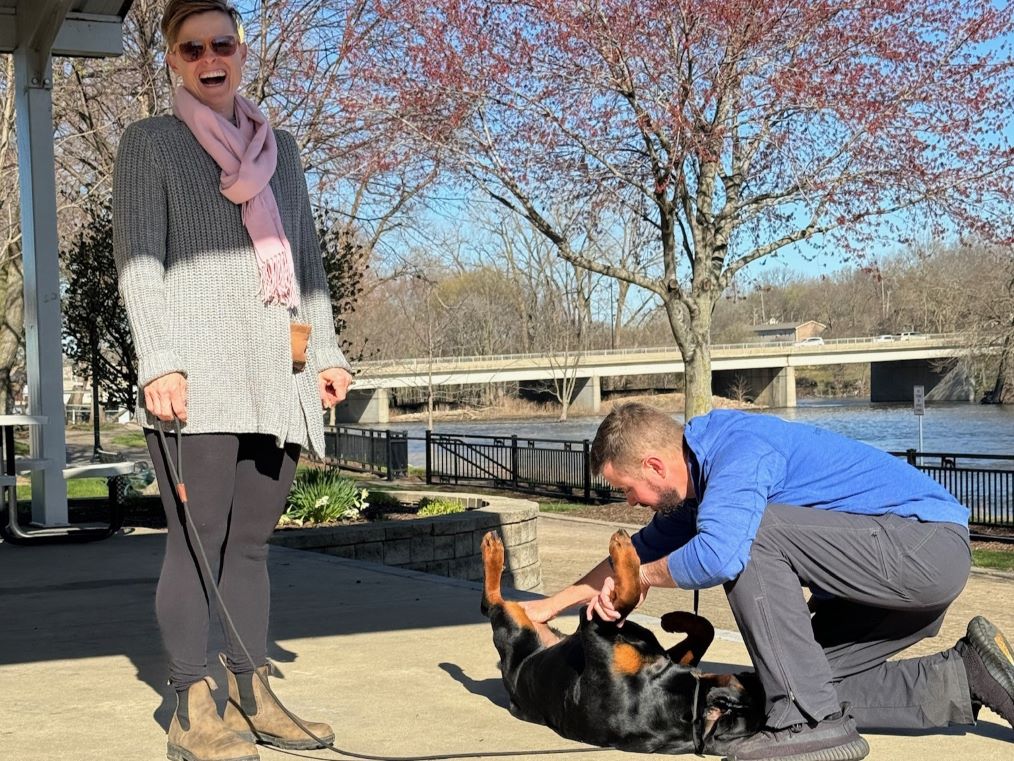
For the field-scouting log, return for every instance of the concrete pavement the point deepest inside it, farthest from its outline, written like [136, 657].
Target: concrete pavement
[400, 662]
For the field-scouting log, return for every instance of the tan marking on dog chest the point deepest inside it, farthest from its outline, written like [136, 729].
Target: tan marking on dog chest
[518, 615]
[626, 659]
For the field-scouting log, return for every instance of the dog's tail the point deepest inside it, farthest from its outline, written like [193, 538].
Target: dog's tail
[492, 567]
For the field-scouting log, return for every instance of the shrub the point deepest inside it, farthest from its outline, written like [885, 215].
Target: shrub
[381, 503]
[430, 506]
[320, 495]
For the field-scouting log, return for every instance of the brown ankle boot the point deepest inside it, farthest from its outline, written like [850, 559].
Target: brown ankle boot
[254, 712]
[197, 733]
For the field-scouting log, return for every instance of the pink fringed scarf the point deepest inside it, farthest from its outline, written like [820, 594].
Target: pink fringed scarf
[247, 153]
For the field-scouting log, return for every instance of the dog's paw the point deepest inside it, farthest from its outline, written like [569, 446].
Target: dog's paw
[620, 541]
[492, 548]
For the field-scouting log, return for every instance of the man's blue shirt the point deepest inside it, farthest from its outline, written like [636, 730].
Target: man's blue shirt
[742, 462]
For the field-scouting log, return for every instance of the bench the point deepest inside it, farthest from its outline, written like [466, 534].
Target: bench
[112, 466]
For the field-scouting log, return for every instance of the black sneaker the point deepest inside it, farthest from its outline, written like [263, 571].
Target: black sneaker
[989, 664]
[833, 739]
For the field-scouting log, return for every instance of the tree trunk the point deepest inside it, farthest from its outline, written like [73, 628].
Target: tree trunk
[697, 382]
[13, 326]
[1001, 393]
[693, 337]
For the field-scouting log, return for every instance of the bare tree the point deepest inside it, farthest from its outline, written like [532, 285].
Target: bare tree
[11, 281]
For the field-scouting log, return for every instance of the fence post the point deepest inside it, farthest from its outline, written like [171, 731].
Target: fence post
[910, 456]
[387, 447]
[429, 463]
[587, 471]
[514, 460]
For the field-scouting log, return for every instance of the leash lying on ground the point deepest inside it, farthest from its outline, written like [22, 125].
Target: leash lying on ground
[175, 469]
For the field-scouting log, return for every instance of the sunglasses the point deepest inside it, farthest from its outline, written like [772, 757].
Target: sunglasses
[221, 47]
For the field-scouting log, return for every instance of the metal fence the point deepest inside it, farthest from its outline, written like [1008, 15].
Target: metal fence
[554, 467]
[384, 453]
[562, 468]
[982, 483]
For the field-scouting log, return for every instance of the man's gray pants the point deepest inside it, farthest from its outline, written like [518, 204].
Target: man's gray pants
[881, 583]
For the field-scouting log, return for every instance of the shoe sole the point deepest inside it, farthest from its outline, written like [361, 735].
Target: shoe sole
[995, 651]
[277, 742]
[856, 750]
[177, 753]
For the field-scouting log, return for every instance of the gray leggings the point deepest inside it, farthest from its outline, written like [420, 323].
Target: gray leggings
[236, 489]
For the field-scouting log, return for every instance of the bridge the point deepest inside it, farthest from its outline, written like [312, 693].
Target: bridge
[766, 370]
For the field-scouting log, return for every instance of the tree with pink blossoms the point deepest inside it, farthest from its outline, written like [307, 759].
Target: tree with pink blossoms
[735, 130]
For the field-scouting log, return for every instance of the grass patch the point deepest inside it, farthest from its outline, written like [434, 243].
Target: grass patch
[561, 507]
[76, 488]
[131, 439]
[432, 506]
[998, 560]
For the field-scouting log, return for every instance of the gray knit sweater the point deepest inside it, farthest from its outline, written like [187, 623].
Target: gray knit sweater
[189, 280]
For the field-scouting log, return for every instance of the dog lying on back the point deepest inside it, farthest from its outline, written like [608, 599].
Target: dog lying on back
[616, 686]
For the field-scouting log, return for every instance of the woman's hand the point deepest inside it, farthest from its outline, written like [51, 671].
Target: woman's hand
[166, 397]
[333, 385]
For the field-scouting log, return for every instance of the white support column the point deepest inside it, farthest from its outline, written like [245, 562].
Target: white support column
[40, 252]
[364, 406]
[587, 397]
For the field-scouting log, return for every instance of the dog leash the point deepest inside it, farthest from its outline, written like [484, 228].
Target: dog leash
[175, 470]
[696, 734]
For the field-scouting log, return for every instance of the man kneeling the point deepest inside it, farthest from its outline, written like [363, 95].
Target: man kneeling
[763, 506]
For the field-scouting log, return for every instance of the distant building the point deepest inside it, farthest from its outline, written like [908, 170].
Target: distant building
[788, 331]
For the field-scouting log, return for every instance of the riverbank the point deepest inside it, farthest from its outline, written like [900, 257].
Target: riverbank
[516, 409]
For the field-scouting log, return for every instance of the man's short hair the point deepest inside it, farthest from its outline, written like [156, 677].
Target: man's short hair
[630, 432]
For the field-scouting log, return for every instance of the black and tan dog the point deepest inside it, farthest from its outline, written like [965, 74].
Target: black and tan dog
[616, 686]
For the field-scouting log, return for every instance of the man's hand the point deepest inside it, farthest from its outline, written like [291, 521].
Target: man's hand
[166, 397]
[603, 603]
[333, 385]
[540, 611]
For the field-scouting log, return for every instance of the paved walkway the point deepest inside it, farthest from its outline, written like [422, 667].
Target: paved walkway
[400, 662]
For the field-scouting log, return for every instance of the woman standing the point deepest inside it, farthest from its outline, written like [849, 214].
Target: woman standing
[220, 269]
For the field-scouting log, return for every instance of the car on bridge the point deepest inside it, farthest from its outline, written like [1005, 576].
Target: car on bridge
[885, 337]
[911, 335]
[811, 341]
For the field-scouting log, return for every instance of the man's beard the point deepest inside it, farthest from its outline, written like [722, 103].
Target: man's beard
[669, 502]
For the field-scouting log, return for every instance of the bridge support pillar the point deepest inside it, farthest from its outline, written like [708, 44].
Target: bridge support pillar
[767, 386]
[587, 396]
[893, 381]
[364, 406]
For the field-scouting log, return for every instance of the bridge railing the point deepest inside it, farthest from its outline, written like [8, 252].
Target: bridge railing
[366, 368]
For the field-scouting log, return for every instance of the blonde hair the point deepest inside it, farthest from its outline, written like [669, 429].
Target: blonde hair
[178, 11]
[630, 432]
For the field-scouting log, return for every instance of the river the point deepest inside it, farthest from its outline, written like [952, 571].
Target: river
[951, 427]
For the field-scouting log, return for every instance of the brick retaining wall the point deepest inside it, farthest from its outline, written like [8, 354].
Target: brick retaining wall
[448, 545]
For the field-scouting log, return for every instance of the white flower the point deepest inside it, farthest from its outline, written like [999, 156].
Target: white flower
[322, 501]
